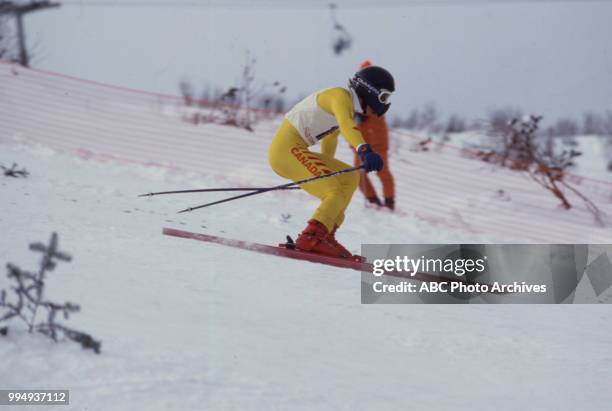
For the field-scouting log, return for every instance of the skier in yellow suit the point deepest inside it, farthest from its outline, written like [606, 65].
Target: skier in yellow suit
[322, 116]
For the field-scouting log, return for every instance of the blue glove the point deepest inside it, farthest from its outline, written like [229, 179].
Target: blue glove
[369, 159]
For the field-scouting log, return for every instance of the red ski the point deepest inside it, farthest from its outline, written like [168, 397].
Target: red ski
[272, 250]
[304, 255]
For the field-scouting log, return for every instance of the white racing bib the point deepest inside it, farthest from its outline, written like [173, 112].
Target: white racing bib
[311, 121]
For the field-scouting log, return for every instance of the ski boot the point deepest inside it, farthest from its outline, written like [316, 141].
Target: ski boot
[331, 237]
[390, 203]
[315, 238]
[374, 201]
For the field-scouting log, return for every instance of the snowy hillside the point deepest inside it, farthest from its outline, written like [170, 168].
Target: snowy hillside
[191, 326]
[441, 188]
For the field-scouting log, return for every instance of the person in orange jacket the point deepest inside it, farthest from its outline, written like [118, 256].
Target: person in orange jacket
[375, 132]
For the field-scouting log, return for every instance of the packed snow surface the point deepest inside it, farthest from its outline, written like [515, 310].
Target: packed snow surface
[186, 325]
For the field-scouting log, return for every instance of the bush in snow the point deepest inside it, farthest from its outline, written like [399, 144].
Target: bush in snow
[240, 106]
[455, 124]
[519, 151]
[28, 302]
[13, 172]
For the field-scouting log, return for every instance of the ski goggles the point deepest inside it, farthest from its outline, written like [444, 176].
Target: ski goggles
[384, 96]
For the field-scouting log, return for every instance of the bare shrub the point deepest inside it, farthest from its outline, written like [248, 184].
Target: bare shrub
[455, 124]
[28, 303]
[546, 167]
[240, 106]
[12, 171]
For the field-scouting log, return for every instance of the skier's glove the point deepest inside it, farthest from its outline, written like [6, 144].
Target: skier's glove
[369, 159]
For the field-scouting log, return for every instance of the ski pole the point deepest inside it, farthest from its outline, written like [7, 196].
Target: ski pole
[280, 187]
[208, 190]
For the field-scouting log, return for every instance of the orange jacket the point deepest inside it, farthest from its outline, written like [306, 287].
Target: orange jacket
[375, 133]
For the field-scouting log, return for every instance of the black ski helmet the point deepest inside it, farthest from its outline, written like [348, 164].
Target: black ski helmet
[374, 85]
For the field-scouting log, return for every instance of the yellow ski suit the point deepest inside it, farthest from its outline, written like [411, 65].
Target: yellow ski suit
[321, 116]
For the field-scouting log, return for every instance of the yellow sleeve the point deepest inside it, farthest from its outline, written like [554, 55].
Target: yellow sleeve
[338, 102]
[329, 144]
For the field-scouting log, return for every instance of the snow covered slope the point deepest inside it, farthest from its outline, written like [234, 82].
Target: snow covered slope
[191, 326]
[438, 186]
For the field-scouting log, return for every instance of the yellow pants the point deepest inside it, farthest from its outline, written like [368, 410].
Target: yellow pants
[290, 158]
